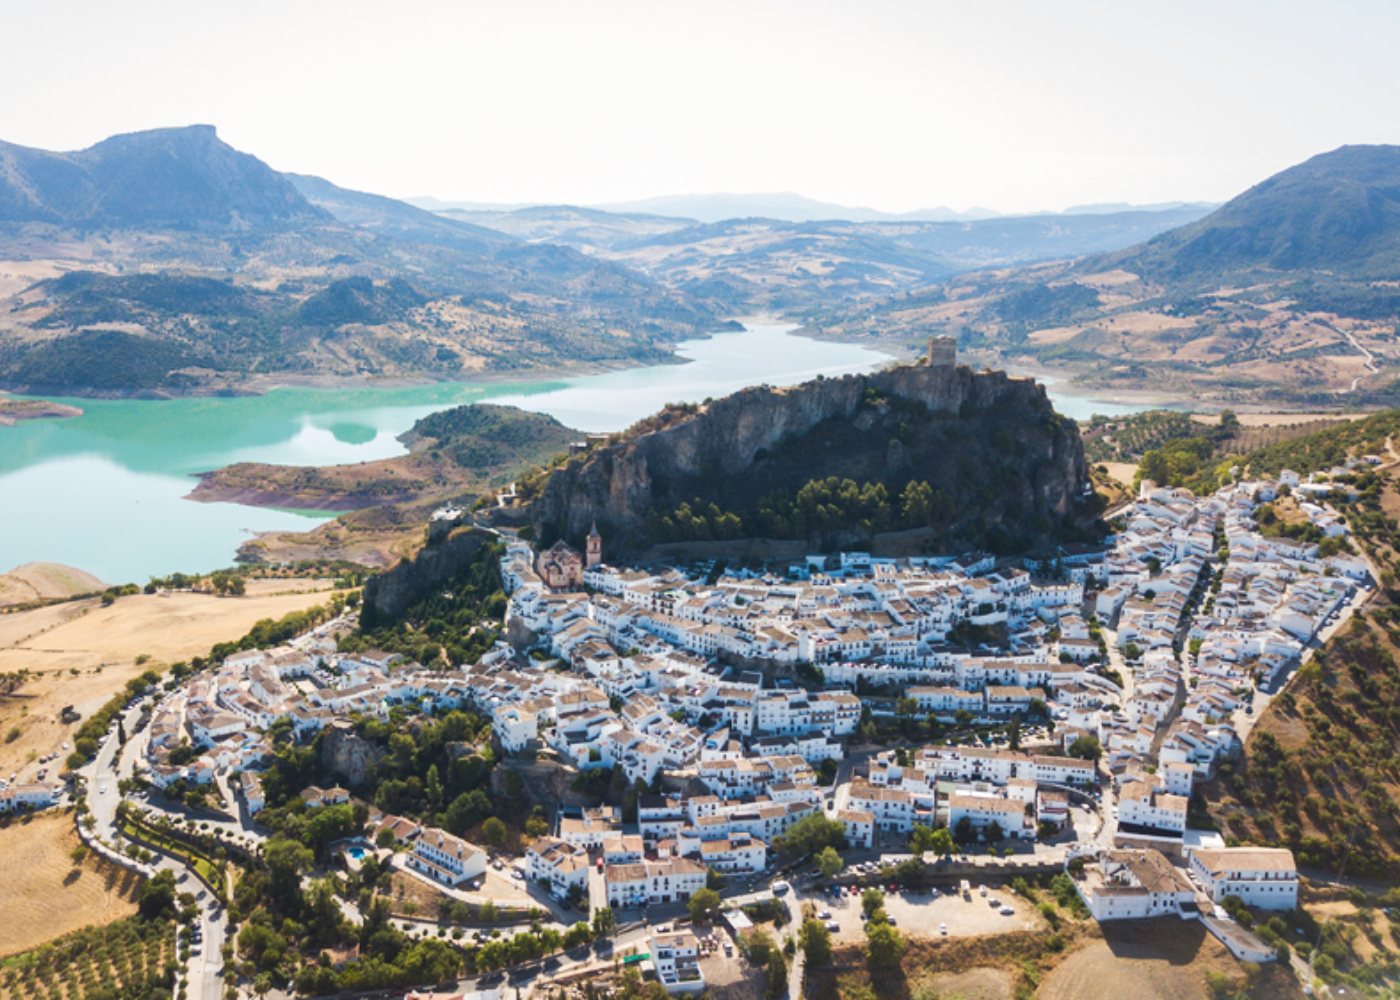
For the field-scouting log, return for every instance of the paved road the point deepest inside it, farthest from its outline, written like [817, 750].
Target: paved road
[102, 775]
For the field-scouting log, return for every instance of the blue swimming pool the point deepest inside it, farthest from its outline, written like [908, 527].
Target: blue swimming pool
[357, 852]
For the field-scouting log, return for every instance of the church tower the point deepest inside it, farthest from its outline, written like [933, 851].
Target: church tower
[594, 549]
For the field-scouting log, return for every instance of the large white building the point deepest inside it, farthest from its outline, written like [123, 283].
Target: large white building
[1134, 885]
[1266, 877]
[673, 880]
[446, 858]
[33, 796]
[676, 957]
[558, 865]
[1015, 817]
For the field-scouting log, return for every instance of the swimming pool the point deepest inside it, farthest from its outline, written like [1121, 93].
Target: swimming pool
[357, 852]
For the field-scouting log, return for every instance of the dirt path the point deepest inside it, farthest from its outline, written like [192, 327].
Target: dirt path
[1371, 366]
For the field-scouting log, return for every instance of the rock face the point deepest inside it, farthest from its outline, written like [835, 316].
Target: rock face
[347, 755]
[1009, 468]
[389, 594]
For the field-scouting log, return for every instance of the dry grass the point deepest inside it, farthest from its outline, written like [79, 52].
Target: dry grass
[974, 984]
[45, 581]
[82, 653]
[1165, 959]
[45, 893]
[1023, 957]
[1124, 472]
[1147, 960]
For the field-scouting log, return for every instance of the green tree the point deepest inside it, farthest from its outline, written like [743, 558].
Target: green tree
[432, 787]
[158, 896]
[916, 504]
[493, 831]
[776, 983]
[286, 860]
[942, 842]
[884, 946]
[810, 834]
[829, 863]
[815, 940]
[871, 900]
[604, 922]
[703, 905]
[1086, 747]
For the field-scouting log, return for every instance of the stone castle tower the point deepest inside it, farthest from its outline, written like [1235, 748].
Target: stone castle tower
[593, 548]
[942, 352]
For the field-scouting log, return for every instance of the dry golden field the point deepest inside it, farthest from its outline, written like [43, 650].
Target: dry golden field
[45, 581]
[82, 653]
[45, 894]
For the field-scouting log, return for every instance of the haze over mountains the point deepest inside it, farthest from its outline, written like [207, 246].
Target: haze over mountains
[1286, 292]
[784, 206]
[168, 262]
[771, 264]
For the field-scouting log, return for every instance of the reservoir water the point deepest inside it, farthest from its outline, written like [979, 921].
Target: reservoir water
[104, 491]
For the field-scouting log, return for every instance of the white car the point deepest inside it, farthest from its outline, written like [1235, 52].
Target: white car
[943, 929]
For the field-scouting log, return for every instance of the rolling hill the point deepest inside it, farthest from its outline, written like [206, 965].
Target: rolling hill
[773, 264]
[168, 262]
[1285, 294]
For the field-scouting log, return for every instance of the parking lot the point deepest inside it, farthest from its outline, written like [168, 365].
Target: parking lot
[922, 913]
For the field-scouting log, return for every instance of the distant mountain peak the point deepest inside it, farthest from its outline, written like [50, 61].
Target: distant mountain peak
[184, 178]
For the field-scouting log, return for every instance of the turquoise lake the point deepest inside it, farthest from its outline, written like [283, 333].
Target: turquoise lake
[104, 491]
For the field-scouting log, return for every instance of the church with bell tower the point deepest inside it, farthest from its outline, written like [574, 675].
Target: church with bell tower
[593, 549]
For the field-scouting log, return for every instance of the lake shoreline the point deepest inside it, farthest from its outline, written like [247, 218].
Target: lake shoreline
[141, 459]
[261, 385]
[14, 409]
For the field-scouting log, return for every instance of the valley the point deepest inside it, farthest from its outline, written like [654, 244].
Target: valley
[1284, 295]
[545, 546]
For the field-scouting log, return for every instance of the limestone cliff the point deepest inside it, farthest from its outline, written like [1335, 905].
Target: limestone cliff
[1008, 470]
[389, 594]
[348, 756]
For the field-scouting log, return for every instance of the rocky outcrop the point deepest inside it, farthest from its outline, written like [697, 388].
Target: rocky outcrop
[1009, 470]
[347, 755]
[389, 594]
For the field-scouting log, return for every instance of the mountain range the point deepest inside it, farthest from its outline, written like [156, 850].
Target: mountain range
[784, 206]
[749, 264]
[168, 262]
[1285, 293]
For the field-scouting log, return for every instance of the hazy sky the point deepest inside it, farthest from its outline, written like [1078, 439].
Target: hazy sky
[1014, 106]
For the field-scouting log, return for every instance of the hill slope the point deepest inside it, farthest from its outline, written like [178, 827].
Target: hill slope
[175, 178]
[1320, 773]
[454, 454]
[757, 263]
[168, 262]
[1285, 293]
[1338, 212]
